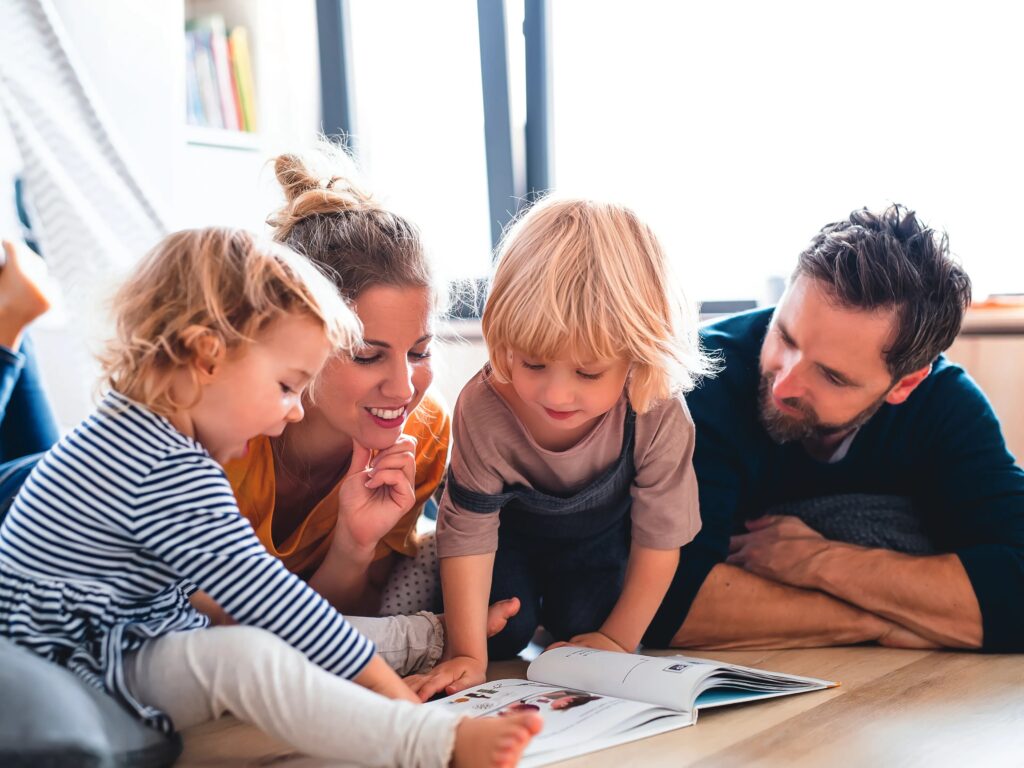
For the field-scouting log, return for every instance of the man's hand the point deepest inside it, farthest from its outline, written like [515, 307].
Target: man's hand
[375, 494]
[597, 640]
[449, 676]
[779, 547]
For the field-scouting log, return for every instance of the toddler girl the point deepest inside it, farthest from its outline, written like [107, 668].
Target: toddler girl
[575, 438]
[218, 336]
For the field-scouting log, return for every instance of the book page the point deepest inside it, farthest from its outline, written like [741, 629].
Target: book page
[574, 720]
[667, 682]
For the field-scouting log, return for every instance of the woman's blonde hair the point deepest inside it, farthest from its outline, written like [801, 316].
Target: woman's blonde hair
[589, 280]
[329, 217]
[217, 283]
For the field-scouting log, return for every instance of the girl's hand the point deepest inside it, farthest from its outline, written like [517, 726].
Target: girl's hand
[378, 677]
[449, 676]
[592, 640]
[376, 493]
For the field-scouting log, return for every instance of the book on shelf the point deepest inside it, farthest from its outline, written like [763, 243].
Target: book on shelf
[591, 700]
[238, 47]
[206, 78]
[194, 102]
[218, 77]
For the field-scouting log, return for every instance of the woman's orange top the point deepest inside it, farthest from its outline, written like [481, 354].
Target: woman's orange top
[252, 479]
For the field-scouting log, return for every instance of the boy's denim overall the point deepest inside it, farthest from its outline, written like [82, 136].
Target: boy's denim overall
[564, 557]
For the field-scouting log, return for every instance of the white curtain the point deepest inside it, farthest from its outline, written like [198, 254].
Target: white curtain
[92, 216]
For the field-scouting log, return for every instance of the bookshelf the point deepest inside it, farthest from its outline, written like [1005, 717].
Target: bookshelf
[224, 175]
[221, 96]
[202, 136]
[132, 61]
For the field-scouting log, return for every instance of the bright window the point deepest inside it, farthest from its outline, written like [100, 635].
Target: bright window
[740, 128]
[418, 114]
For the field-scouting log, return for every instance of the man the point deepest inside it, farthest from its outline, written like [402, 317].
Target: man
[839, 399]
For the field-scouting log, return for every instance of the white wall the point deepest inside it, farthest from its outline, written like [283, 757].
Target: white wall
[131, 55]
[9, 163]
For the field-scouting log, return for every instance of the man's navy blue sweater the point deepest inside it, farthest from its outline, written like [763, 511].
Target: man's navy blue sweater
[942, 448]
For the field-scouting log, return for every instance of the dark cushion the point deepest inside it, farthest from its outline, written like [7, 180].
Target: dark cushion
[49, 717]
[868, 520]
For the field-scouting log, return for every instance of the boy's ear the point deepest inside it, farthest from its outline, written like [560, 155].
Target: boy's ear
[208, 351]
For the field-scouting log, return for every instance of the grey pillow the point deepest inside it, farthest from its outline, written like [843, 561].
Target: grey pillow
[868, 520]
[50, 718]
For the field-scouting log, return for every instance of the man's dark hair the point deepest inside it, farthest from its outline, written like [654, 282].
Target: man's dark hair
[891, 260]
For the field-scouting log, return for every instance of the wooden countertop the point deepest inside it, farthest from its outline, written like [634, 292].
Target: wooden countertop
[998, 320]
[905, 708]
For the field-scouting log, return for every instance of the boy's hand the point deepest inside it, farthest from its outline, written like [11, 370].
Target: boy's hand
[592, 640]
[376, 493]
[449, 676]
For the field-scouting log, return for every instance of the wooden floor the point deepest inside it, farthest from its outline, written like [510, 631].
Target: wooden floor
[894, 708]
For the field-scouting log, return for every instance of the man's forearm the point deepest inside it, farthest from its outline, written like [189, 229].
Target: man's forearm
[931, 596]
[737, 609]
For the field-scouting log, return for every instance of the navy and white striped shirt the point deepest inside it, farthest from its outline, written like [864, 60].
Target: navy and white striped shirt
[118, 524]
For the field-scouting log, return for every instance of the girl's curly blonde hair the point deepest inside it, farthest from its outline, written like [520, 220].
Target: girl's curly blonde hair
[588, 280]
[218, 283]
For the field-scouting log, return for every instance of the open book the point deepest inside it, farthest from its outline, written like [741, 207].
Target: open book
[592, 700]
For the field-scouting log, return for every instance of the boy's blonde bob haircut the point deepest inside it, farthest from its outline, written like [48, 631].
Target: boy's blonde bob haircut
[216, 284]
[588, 281]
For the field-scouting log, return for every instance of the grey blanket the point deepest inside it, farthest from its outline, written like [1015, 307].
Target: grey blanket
[869, 520]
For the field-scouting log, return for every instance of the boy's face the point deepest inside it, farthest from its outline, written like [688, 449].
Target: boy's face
[563, 397]
[257, 389]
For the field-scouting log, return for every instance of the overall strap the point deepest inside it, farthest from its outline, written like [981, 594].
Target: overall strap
[550, 504]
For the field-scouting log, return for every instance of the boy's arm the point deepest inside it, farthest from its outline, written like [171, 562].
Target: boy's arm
[466, 584]
[648, 575]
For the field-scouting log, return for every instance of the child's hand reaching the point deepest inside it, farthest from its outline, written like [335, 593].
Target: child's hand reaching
[449, 677]
[378, 677]
[376, 493]
[596, 640]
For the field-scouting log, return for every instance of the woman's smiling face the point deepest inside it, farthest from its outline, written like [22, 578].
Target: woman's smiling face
[370, 395]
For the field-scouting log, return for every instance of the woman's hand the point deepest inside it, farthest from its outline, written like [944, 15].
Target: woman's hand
[375, 493]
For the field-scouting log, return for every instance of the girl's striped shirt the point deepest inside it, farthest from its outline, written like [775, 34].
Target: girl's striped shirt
[118, 524]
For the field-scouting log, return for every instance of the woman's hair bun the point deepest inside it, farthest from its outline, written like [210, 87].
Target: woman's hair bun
[323, 181]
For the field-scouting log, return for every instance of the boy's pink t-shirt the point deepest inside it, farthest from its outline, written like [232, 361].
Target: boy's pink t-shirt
[492, 449]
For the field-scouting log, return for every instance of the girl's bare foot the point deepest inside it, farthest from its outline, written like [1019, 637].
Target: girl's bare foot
[493, 742]
[498, 615]
[24, 292]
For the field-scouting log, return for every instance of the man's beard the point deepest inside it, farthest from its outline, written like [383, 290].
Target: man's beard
[783, 428]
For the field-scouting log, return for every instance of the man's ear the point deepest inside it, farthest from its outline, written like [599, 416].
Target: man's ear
[902, 389]
[208, 351]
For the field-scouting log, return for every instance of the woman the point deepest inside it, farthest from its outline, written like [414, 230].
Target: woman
[301, 491]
